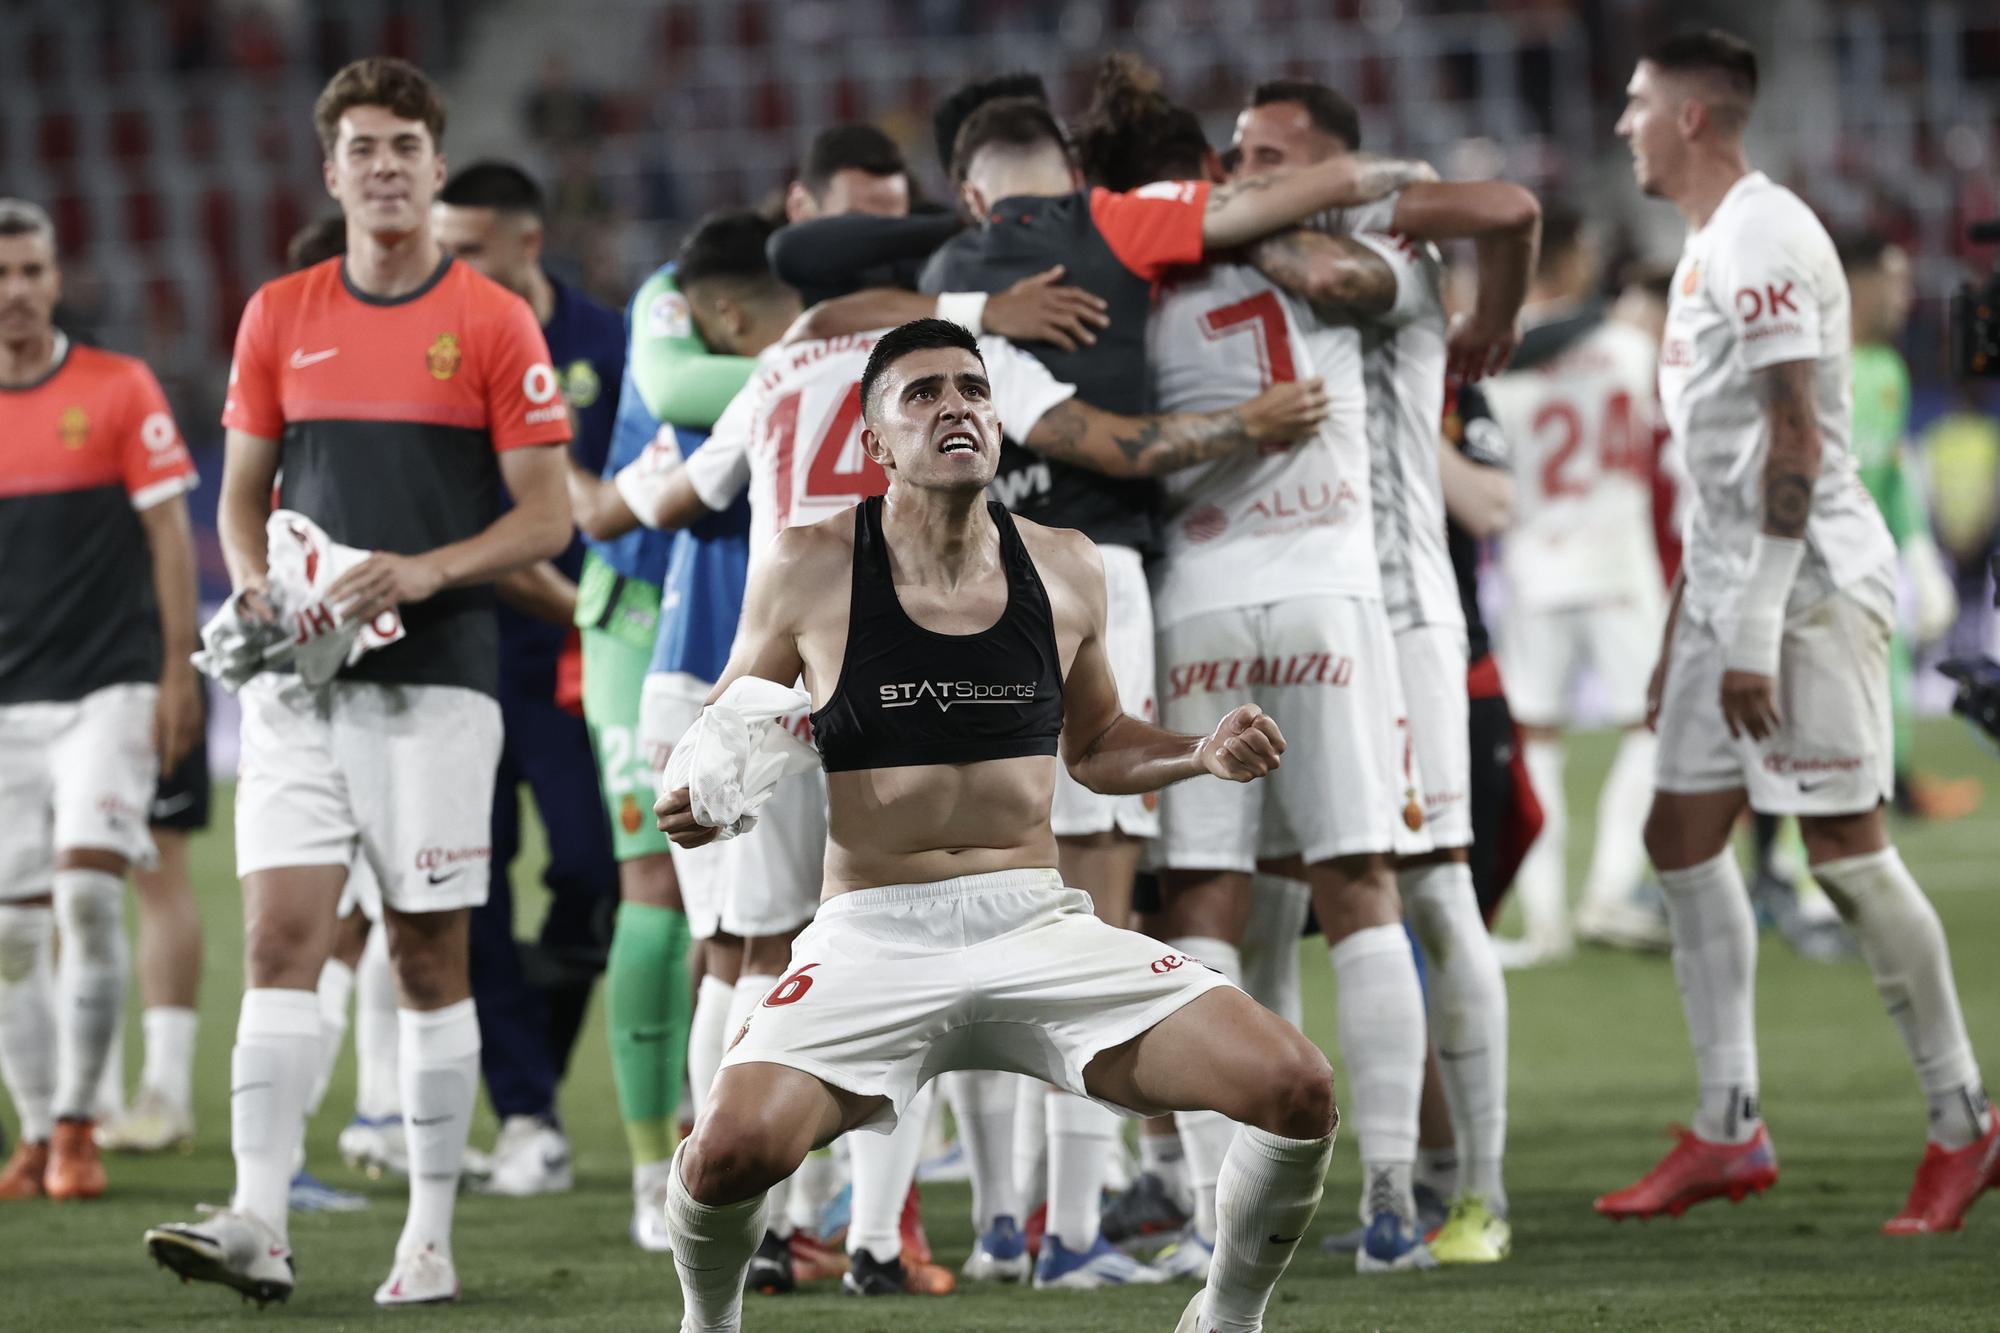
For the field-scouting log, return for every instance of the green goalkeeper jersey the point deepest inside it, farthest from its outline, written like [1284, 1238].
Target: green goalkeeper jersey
[1881, 421]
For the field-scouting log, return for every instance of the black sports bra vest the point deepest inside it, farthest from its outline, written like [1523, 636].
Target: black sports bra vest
[908, 695]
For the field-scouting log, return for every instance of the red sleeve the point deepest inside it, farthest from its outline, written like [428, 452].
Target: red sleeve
[253, 404]
[1153, 228]
[524, 400]
[152, 456]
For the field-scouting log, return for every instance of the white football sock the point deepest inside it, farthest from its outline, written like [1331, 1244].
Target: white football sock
[169, 1066]
[1618, 857]
[1206, 1135]
[1715, 962]
[884, 1166]
[1468, 1017]
[1904, 943]
[1382, 1041]
[28, 1016]
[378, 1090]
[1540, 884]
[336, 985]
[982, 1101]
[1278, 907]
[107, 1102]
[440, 1076]
[1162, 1156]
[1031, 1145]
[1082, 1137]
[1269, 1191]
[712, 1248]
[90, 982]
[707, 1031]
[270, 1073]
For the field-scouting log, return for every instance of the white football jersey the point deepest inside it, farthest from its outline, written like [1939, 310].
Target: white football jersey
[1757, 285]
[1402, 362]
[1580, 425]
[793, 434]
[1259, 526]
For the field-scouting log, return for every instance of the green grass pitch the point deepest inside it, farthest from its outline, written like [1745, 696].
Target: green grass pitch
[1600, 1065]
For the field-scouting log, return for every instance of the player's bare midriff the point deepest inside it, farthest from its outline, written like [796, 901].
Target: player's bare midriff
[938, 821]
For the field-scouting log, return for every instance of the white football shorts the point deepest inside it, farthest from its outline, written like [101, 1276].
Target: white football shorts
[1128, 643]
[1432, 659]
[891, 987]
[76, 775]
[1325, 668]
[403, 773]
[1543, 651]
[1833, 753]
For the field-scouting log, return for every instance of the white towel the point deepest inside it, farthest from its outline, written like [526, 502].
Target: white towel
[737, 752]
[234, 647]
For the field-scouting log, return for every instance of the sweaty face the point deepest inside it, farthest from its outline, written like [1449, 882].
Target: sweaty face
[384, 170]
[932, 424]
[495, 243]
[29, 286]
[1650, 128]
[1278, 136]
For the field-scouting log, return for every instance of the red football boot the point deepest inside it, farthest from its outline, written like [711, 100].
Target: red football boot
[1693, 1171]
[1948, 1183]
[813, 1260]
[911, 1227]
[1038, 1222]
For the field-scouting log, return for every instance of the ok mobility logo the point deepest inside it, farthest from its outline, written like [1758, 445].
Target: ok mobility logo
[945, 693]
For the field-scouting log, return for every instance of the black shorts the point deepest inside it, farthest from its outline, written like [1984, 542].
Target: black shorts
[180, 798]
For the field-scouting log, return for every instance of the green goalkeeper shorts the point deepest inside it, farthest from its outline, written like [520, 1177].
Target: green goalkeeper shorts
[613, 672]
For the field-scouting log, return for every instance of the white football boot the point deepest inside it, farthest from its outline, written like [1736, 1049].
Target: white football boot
[422, 1277]
[226, 1247]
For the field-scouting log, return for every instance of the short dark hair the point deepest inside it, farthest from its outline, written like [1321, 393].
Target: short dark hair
[1132, 133]
[1018, 123]
[1710, 51]
[727, 246]
[849, 148]
[20, 217]
[500, 186]
[395, 85]
[1562, 230]
[953, 111]
[1862, 250]
[316, 242]
[919, 335]
[1329, 111]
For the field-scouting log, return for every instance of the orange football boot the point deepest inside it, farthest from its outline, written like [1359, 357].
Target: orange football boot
[1949, 1181]
[1694, 1170]
[23, 1177]
[75, 1170]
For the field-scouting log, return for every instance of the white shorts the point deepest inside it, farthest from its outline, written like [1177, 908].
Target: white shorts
[891, 987]
[773, 874]
[74, 775]
[1542, 650]
[1128, 643]
[362, 893]
[1833, 755]
[403, 774]
[1433, 664]
[1325, 669]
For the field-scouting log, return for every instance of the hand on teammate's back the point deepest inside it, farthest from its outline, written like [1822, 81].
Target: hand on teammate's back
[1285, 413]
[1036, 309]
[382, 581]
[1749, 704]
[1477, 347]
[1244, 746]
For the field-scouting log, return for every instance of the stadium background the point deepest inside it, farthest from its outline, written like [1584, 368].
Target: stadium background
[173, 144]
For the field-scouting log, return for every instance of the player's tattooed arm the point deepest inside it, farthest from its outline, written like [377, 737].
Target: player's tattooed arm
[1097, 441]
[1792, 464]
[1338, 274]
[1243, 210]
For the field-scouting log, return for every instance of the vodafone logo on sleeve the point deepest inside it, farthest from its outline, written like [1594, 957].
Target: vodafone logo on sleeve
[543, 391]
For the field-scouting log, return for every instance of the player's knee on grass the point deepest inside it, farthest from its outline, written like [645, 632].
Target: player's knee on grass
[1297, 1100]
[738, 1153]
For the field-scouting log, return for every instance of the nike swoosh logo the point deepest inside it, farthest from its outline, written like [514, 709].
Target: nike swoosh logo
[1443, 1054]
[173, 805]
[422, 1123]
[1814, 785]
[1286, 1240]
[649, 1038]
[301, 358]
[436, 878]
[250, 1087]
